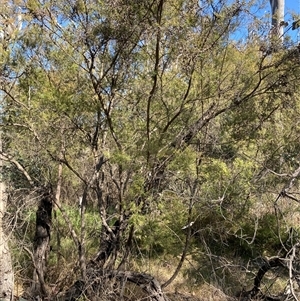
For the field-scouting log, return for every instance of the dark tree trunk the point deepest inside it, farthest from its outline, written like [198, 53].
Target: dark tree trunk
[41, 243]
[255, 293]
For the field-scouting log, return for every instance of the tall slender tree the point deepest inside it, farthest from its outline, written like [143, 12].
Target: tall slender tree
[6, 268]
[278, 24]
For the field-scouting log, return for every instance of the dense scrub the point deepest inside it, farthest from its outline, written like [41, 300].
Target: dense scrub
[150, 148]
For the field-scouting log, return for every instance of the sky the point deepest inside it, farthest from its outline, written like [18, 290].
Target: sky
[291, 14]
[262, 12]
[292, 6]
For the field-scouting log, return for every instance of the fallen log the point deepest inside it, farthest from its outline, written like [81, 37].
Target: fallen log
[112, 284]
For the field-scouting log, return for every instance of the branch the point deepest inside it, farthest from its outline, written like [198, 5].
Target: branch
[41, 280]
[288, 186]
[269, 264]
[290, 266]
[155, 72]
[292, 180]
[66, 218]
[20, 167]
[187, 238]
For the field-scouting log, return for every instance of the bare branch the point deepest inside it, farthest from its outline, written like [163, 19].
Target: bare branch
[20, 167]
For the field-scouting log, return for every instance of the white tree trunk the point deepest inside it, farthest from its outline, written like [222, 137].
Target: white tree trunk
[277, 7]
[6, 270]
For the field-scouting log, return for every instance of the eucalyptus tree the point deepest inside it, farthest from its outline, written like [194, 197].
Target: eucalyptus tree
[6, 268]
[277, 8]
[10, 28]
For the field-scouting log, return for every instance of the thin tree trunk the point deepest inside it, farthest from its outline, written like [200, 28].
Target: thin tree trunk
[277, 7]
[57, 201]
[6, 269]
[59, 183]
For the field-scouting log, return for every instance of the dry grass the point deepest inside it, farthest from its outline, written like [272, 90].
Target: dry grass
[204, 292]
[289, 209]
[182, 288]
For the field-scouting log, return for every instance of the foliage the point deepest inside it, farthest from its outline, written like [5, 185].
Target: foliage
[157, 115]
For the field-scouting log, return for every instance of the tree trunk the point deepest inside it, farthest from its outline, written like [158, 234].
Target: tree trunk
[6, 269]
[277, 7]
[41, 244]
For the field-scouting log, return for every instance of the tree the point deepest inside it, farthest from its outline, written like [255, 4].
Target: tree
[277, 7]
[9, 28]
[141, 126]
[6, 269]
